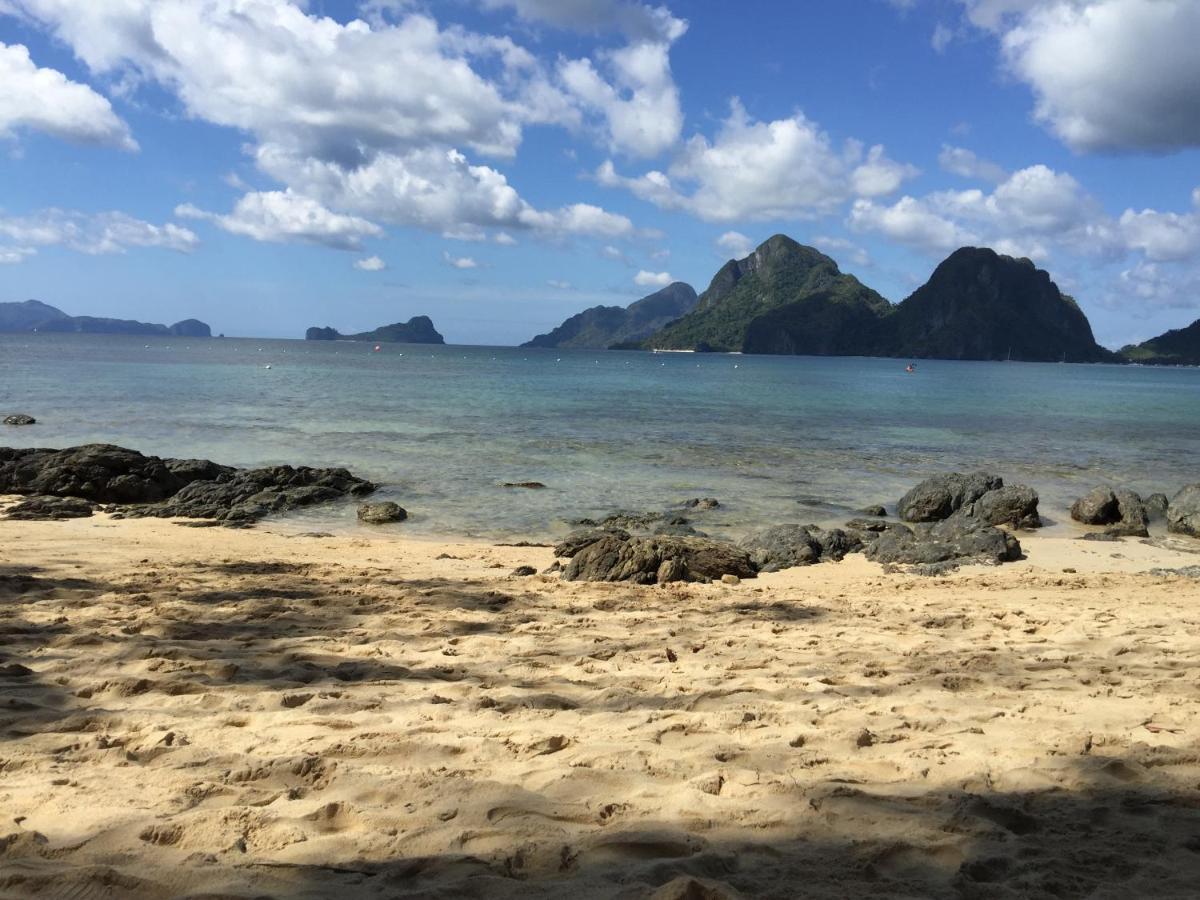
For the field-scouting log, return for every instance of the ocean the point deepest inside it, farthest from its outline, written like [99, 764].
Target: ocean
[775, 439]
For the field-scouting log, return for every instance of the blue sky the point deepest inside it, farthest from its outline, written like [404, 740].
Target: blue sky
[501, 164]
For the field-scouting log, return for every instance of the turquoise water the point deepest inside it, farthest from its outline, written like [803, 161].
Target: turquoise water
[776, 439]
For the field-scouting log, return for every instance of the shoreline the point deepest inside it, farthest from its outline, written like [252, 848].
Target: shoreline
[244, 713]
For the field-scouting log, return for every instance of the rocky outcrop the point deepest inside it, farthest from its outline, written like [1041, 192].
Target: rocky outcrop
[1183, 513]
[602, 327]
[383, 513]
[941, 496]
[1156, 506]
[20, 419]
[1015, 505]
[417, 330]
[657, 560]
[785, 546]
[942, 546]
[32, 315]
[1121, 510]
[50, 508]
[189, 488]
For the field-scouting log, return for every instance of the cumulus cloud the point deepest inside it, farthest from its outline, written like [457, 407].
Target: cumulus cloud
[1107, 75]
[636, 20]
[735, 244]
[370, 264]
[12, 255]
[558, 284]
[759, 171]
[91, 233]
[45, 100]
[941, 37]
[842, 249]
[909, 221]
[652, 279]
[1162, 236]
[459, 262]
[963, 162]
[282, 216]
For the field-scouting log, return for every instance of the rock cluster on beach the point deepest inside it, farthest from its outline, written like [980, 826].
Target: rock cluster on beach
[149, 486]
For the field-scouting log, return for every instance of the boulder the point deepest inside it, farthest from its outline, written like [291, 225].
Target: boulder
[1097, 507]
[942, 546]
[867, 529]
[381, 513]
[1156, 506]
[577, 540]
[1132, 517]
[702, 503]
[41, 508]
[1183, 513]
[650, 560]
[876, 511]
[941, 496]
[20, 419]
[785, 546]
[1015, 505]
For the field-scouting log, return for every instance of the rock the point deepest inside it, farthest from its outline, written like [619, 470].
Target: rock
[1156, 506]
[381, 513]
[20, 419]
[189, 488]
[941, 496]
[730, 579]
[1100, 536]
[785, 546]
[1183, 512]
[1097, 507]
[1015, 505]
[865, 529]
[942, 546]
[677, 526]
[687, 887]
[524, 571]
[41, 508]
[650, 560]
[577, 540]
[1132, 517]
[875, 511]
[531, 485]
[702, 503]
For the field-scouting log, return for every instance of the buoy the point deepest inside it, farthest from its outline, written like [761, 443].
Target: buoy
[377, 348]
[267, 366]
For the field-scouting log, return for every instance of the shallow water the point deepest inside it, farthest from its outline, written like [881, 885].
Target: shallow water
[776, 439]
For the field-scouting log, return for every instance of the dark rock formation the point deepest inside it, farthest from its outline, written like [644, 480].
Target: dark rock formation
[979, 304]
[189, 488]
[702, 503]
[417, 330]
[20, 419]
[1183, 514]
[877, 511]
[941, 496]
[602, 327]
[651, 560]
[1015, 505]
[531, 485]
[785, 546]
[46, 507]
[1097, 507]
[32, 315]
[1156, 506]
[1177, 347]
[1122, 510]
[381, 513]
[782, 298]
[942, 546]
[577, 540]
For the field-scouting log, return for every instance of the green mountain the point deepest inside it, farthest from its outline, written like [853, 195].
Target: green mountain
[33, 315]
[1177, 347]
[602, 327]
[782, 298]
[417, 330]
[979, 304]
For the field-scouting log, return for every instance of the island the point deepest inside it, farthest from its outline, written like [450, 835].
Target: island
[32, 316]
[417, 330]
[604, 327]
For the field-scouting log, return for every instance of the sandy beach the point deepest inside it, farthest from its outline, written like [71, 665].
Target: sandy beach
[203, 712]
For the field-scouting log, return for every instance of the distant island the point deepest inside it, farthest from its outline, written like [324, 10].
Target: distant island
[601, 327]
[1177, 347]
[417, 330]
[34, 316]
[786, 298]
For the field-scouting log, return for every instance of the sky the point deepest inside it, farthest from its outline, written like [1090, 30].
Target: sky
[498, 165]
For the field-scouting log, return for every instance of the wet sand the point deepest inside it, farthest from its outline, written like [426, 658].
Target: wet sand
[213, 713]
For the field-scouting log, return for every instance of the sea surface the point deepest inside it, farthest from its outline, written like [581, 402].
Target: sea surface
[775, 439]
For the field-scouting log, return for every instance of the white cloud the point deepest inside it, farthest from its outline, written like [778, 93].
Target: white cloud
[909, 221]
[842, 248]
[45, 100]
[652, 279]
[459, 262]
[963, 162]
[879, 176]
[941, 38]
[90, 233]
[1162, 236]
[504, 239]
[1157, 285]
[559, 285]
[636, 20]
[12, 255]
[736, 244]
[1110, 74]
[370, 264]
[285, 216]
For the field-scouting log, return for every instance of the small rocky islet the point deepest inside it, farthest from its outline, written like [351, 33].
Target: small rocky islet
[946, 521]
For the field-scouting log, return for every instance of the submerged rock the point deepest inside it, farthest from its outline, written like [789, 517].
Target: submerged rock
[650, 560]
[1183, 513]
[942, 546]
[941, 496]
[42, 508]
[702, 503]
[876, 511]
[381, 513]
[20, 419]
